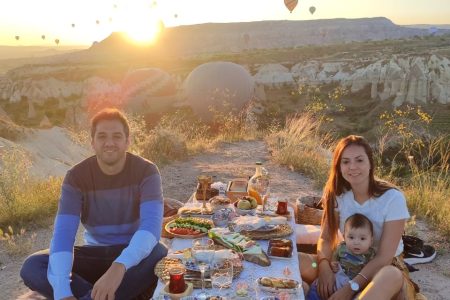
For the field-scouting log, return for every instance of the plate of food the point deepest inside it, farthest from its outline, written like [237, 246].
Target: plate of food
[193, 211]
[219, 202]
[280, 248]
[250, 249]
[278, 285]
[189, 228]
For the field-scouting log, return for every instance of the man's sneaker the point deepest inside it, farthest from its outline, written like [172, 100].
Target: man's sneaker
[419, 255]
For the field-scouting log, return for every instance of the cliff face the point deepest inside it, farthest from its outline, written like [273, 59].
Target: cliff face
[236, 37]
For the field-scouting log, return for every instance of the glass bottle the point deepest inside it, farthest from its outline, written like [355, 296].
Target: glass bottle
[258, 184]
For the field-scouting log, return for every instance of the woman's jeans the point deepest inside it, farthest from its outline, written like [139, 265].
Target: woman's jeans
[90, 263]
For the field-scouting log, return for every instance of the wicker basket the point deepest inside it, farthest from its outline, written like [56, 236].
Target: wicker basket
[308, 210]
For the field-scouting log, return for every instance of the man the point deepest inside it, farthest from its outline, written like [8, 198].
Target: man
[117, 196]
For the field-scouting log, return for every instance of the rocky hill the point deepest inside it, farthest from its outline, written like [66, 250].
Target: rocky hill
[386, 69]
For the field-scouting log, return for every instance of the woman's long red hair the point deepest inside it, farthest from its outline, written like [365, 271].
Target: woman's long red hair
[336, 184]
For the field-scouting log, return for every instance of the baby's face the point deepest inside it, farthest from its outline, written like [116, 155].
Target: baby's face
[358, 240]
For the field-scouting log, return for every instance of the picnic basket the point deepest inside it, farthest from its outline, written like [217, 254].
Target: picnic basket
[308, 210]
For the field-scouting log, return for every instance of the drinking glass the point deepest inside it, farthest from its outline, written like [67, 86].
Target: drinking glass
[177, 284]
[272, 203]
[203, 254]
[222, 274]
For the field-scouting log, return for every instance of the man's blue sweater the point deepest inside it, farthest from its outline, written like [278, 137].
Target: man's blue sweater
[126, 208]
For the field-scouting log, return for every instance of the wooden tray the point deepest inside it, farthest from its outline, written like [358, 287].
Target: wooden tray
[281, 231]
[162, 271]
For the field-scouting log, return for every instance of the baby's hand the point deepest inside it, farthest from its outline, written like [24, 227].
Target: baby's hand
[334, 266]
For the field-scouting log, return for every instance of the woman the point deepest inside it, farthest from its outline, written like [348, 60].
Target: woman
[352, 188]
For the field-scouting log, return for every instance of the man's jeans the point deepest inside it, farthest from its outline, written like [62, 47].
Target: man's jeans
[90, 263]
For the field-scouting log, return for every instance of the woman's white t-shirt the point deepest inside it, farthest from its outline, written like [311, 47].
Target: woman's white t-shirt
[390, 206]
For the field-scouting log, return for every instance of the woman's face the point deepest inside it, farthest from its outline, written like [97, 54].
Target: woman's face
[355, 165]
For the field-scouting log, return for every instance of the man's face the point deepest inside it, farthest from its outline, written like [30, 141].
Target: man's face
[358, 240]
[110, 142]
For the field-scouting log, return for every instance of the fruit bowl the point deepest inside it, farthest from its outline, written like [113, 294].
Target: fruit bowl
[244, 212]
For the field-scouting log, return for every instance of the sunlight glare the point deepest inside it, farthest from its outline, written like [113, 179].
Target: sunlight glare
[140, 25]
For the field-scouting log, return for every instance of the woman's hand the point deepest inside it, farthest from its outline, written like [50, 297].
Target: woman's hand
[326, 280]
[344, 293]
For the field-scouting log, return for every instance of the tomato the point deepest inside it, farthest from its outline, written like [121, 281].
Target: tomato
[184, 231]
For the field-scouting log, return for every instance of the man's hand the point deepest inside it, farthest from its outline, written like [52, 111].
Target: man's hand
[105, 288]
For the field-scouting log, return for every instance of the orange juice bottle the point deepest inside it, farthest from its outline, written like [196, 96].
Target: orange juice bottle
[259, 183]
[253, 193]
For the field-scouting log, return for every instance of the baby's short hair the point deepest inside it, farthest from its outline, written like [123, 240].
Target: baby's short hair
[359, 221]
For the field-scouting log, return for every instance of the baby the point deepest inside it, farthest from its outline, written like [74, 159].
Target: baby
[352, 254]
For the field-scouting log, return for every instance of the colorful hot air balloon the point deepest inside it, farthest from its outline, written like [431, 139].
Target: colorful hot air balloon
[43, 37]
[17, 37]
[312, 9]
[290, 4]
[57, 42]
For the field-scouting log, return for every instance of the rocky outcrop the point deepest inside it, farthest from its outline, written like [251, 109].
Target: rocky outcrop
[274, 75]
[413, 80]
[405, 79]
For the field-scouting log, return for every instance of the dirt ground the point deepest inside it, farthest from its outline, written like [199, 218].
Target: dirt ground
[228, 161]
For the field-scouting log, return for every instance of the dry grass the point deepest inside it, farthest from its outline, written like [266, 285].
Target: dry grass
[428, 188]
[24, 199]
[302, 147]
[16, 243]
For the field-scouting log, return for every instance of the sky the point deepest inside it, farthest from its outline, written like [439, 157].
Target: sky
[82, 22]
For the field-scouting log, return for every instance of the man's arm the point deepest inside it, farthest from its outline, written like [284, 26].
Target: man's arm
[151, 217]
[61, 247]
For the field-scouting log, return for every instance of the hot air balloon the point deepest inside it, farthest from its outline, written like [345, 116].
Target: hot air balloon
[312, 9]
[290, 4]
[57, 42]
[17, 37]
[97, 22]
[43, 37]
[73, 25]
[175, 16]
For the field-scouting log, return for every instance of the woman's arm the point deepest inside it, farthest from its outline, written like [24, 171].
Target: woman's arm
[326, 279]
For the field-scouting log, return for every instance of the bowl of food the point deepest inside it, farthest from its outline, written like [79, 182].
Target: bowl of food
[246, 205]
[219, 202]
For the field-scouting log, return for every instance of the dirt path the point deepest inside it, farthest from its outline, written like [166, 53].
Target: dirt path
[232, 160]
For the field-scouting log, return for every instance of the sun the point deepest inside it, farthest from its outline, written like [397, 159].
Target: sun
[143, 33]
[140, 25]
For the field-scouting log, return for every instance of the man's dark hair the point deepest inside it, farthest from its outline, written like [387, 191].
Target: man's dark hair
[109, 114]
[359, 221]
